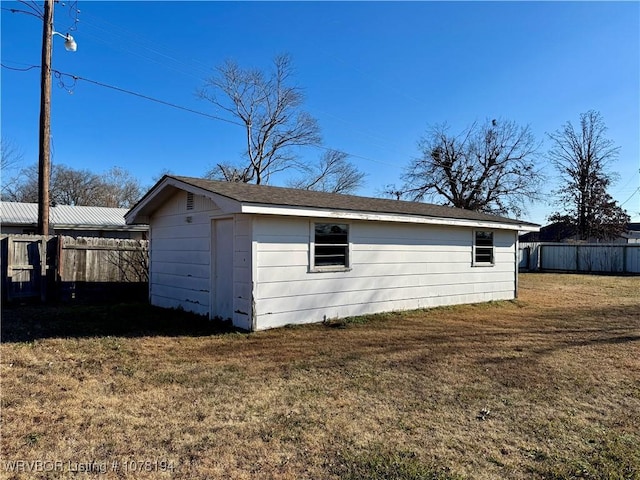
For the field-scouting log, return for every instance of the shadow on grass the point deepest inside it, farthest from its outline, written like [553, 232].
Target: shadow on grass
[25, 323]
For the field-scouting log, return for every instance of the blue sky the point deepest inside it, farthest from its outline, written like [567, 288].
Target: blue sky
[375, 75]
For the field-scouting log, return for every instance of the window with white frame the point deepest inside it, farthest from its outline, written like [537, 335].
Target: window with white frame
[330, 246]
[483, 248]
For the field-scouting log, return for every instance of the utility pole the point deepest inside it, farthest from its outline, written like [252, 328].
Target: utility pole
[44, 157]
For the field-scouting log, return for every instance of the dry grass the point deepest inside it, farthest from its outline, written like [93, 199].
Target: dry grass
[390, 396]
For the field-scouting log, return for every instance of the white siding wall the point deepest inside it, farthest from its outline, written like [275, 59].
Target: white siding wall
[394, 267]
[180, 254]
[242, 272]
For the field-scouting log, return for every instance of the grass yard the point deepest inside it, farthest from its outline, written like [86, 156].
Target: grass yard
[547, 386]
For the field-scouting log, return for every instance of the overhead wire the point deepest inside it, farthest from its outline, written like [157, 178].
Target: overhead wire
[32, 6]
[171, 59]
[157, 53]
[637, 190]
[148, 57]
[30, 67]
[154, 51]
[15, 10]
[632, 178]
[147, 97]
[76, 19]
[58, 74]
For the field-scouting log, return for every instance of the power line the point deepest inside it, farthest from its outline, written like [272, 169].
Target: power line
[637, 190]
[30, 67]
[147, 97]
[32, 5]
[75, 78]
[155, 52]
[60, 74]
[152, 51]
[160, 54]
[322, 147]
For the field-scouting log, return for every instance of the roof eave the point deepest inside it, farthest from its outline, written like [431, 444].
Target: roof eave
[65, 226]
[168, 185]
[109, 228]
[384, 217]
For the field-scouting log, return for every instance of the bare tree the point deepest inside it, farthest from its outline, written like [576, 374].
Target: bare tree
[119, 189]
[24, 187]
[333, 173]
[158, 176]
[269, 107]
[581, 158]
[489, 167]
[391, 190]
[227, 172]
[11, 156]
[69, 186]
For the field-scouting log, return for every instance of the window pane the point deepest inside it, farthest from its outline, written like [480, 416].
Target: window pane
[331, 245]
[331, 255]
[484, 239]
[483, 247]
[484, 255]
[331, 233]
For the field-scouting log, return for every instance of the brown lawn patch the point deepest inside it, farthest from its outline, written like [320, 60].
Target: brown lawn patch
[547, 386]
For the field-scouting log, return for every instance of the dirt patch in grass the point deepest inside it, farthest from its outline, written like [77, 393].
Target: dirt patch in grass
[547, 386]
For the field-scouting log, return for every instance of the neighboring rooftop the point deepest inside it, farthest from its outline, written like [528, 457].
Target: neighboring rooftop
[66, 216]
[561, 232]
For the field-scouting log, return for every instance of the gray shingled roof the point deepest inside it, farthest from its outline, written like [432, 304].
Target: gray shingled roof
[18, 213]
[278, 196]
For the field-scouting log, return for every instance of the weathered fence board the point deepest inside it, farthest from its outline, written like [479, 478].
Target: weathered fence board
[621, 258]
[63, 267]
[103, 260]
[27, 265]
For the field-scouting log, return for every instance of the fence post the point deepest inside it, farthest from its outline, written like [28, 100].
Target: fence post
[59, 260]
[42, 251]
[8, 286]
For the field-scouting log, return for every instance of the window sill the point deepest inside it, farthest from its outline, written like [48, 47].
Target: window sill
[329, 269]
[483, 264]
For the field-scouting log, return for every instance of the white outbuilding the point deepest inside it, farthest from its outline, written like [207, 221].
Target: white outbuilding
[265, 256]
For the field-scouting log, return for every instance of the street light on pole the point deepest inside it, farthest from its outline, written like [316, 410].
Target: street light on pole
[44, 150]
[69, 44]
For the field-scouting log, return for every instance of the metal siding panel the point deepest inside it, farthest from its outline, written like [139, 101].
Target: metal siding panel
[407, 269]
[269, 320]
[159, 300]
[222, 268]
[180, 255]
[62, 216]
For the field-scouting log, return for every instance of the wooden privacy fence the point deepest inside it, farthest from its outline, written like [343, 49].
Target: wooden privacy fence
[67, 268]
[616, 258]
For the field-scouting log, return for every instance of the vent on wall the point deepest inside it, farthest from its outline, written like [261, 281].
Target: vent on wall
[189, 201]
